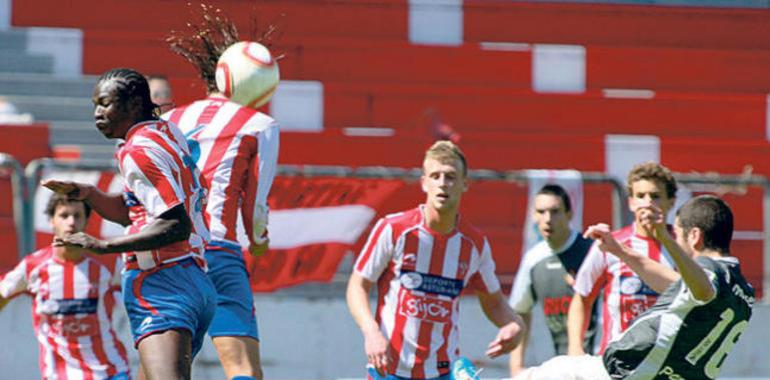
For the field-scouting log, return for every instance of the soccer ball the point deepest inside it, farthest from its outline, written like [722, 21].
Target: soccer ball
[247, 74]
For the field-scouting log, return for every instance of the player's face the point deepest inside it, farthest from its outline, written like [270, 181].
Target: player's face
[551, 218]
[160, 93]
[111, 115]
[443, 183]
[645, 193]
[68, 218]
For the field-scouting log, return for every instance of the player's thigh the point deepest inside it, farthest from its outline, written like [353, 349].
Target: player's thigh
[239, 355]
[166, 355]
[235, 315]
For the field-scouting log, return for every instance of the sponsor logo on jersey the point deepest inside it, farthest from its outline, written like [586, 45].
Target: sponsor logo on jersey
[427, 308]
[670, 374]
[556, 305]
[632, 285]
[69, 306]
[428, 283]
[70, 326]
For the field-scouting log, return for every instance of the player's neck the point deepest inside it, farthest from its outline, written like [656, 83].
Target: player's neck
[557, 242]
[641, 231]
[68, 254]
[710, 253]
[442, 222]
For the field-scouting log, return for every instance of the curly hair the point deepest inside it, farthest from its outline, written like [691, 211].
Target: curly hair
[209, 33]
[652, 171]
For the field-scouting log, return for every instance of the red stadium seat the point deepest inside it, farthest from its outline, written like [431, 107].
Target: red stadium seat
[615, 24]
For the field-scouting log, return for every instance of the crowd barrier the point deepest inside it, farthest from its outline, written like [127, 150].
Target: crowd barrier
[26, 182]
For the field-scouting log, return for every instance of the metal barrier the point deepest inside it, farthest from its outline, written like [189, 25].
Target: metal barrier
[621, 215]
[20, 200]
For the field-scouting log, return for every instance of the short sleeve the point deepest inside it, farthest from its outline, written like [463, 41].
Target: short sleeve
[154, 179]
[522, 299]
[590, 276]
[15, 281]
[485, 279]
[377, 252]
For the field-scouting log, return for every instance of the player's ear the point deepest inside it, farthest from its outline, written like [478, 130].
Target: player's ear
[422, 183]
[695, 237]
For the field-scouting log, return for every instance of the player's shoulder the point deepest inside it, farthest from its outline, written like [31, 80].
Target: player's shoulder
[39, 256]
[470, 231]
[536, 254]
[403, 220]
[624, 233]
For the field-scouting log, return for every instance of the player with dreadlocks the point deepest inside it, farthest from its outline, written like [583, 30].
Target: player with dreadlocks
[236, 149]
[168, 297]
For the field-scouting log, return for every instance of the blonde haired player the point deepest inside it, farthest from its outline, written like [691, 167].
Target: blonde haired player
[236, 149]
[421, 260]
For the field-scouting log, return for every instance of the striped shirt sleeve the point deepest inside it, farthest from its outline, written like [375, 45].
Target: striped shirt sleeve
[485, 279]
[15, 281]
[589, 278]
[377, 252]
[262, 171]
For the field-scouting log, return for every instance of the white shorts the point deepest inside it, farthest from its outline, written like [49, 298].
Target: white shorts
[584, 367]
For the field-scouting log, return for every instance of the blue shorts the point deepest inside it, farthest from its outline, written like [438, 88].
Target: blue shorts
[171, 297]
[235, 314]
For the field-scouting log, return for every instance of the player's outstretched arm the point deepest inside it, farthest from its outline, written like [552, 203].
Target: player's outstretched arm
[577, 317]
[109, 206]
[511, 326]
[376, 345]
[656, 275]
[172, 226]
[692, 274]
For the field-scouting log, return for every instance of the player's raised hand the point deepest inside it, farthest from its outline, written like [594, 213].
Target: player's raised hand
[603, 235]
[506, 340]
[654, 219]
[377, 351]
[74, 190]
[81, 240]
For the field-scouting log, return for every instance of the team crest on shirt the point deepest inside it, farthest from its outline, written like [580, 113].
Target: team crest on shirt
[630, 285]
[411, 280]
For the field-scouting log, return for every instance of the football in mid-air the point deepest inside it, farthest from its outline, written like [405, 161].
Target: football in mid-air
[247, 74]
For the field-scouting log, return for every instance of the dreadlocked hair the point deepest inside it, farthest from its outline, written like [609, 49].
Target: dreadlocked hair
[207, 36]
[129, 84]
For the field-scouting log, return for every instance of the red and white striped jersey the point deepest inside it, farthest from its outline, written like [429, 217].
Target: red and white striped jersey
[236, 150]
[159, 174]
[420, 275]
[72, 314]
[625, 294]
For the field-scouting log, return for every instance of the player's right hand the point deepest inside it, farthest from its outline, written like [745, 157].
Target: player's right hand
[74, 190]
[377, 351]
[603, 235]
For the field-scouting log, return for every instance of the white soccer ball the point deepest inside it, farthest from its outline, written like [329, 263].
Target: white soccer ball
[247, 74]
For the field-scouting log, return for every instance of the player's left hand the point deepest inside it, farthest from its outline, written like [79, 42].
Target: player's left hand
[508, 337]
[602, 233]
[259, 249]
[81, 240]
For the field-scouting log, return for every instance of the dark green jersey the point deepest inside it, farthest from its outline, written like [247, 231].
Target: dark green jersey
[682, 338]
